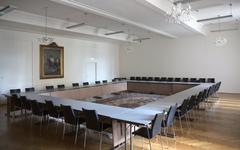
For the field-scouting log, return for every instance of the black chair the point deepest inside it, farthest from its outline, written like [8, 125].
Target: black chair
[15, 91]
[71, 118]
[170, 79]
[144, 78]
[211, 80]
[85, 83]
[185, 79]
[14, 104]
[94, 123]
[156, 79]
[38, 110]
[132, 78]
[25, 104]
[75, 84]
[177, 79]
[97, 82]
[138, 78]
[150, 78]
[152, 131]
[61, 86]
[50, 88]
[168, 122]
[53, 111]
[163, 79]
[202, 80]
[30, 89]
[104, 81]
[193, 80]
[181, 112]
[114, 80]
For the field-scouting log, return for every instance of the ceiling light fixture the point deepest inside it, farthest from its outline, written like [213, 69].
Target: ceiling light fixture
[215, 18]
[7, 9]
[76, 26]
[46, 39]
[112, 33]
[180, 11]
[141, 39]
[220, 40]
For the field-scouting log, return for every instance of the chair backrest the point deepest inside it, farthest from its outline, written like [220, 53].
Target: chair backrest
[132, 78]
[104, 81]
[192, 102]
[51, 109]
[169, 79]
[61, 86]
[144, 78]
[170, 115]
[85, 83]
[156, 79]
[69, 116]
[51, 87]
[30, 89]
[193, 79]
[36, 110]
[177, 79]
[202, 80]
[150, 78]
[217, 86]
[185, 79]
[157, 124]
[163, 79]
[75, 84]
[184, 107]
[211, 80]
[97, 82]
[15, 91]
[92, 120]
[138, 78]
[25, 103]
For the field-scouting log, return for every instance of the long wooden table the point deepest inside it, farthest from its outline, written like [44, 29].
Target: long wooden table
[121, 116]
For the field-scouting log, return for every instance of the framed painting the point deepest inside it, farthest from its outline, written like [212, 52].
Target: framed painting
[51, 61]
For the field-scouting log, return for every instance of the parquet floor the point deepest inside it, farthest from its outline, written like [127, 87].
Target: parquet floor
[215, 129]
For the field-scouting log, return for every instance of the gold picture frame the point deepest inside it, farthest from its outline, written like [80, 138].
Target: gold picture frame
[51, 61]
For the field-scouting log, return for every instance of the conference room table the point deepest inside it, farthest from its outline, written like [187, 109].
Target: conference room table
[142, 115]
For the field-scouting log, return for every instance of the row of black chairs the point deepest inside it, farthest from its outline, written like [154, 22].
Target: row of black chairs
[51, 87]
[91, 118]
[192, 104]
[71, 117]
[171, 79]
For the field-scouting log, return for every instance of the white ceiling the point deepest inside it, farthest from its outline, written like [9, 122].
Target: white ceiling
[137, 18]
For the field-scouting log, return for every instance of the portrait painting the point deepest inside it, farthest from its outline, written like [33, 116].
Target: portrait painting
[51, 61]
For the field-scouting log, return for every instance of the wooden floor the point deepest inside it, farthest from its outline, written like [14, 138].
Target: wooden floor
[216, 129]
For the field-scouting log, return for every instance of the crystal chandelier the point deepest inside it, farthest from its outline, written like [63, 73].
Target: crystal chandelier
[46, 39]
[220, 40]
[179, 12]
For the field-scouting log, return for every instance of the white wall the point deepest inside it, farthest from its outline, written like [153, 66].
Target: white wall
[195, 56]
[19, 60]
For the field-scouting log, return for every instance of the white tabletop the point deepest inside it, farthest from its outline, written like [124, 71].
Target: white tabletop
[141, 115]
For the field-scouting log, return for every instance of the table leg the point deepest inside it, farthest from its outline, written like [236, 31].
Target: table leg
[131, 145]
[125, 135]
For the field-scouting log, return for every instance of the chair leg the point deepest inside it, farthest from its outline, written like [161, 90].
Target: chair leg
[100, 145]
[64, 128]
[85, 138]
[161, 140]
[180, 122]
[76, 135]
[149, 139]
[150, 145]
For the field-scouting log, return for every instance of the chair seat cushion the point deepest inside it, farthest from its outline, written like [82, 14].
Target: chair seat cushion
[143, 132]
